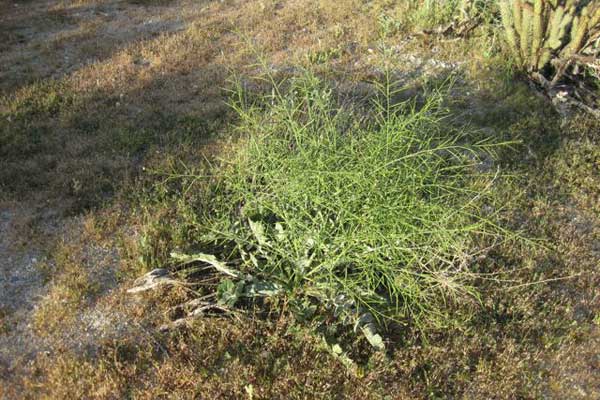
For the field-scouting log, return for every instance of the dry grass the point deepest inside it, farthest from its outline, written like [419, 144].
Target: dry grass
[93, 91]
[71, 287]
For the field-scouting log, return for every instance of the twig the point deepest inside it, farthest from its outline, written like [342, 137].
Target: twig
[562, 278]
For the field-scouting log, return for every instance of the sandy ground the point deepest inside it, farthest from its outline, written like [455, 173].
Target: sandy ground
[27, 233]
[21, 285]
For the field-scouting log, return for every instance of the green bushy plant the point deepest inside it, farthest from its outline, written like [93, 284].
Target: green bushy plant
[372, 214]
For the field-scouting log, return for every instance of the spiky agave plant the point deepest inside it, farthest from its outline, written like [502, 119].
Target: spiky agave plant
[547, 36]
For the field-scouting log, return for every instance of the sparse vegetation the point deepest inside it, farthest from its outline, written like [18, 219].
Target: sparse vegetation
[119, 155]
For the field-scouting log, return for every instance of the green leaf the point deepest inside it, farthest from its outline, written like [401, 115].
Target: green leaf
[341, 355]
[228, 292]
[280, 235]
[337, 349]
[207, 258]
[262, 288]
[258, 230]
[370, 332]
